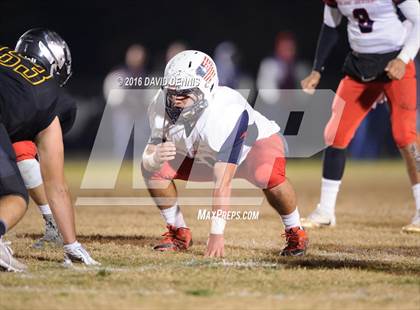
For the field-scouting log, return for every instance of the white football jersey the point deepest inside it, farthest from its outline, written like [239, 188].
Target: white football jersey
[213, 128]
[373, 25]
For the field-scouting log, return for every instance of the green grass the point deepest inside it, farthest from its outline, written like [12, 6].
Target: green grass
[363, 263]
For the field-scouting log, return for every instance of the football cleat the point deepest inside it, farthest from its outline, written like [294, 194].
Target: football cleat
[51, 235]
[7, 261]
[296, 242]
[75, 252]
[414, 227]
[318, 219]
[175, 239]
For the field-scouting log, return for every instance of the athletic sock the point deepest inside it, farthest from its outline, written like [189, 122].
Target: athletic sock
[45, 209]
[3, 228]
[334, 163]
[292, 219]
[329, 192]
[173, 216]
[416, 194]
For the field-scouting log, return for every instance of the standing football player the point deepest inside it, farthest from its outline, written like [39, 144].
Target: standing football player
[32, 109]
[201, 131]
[380, 61]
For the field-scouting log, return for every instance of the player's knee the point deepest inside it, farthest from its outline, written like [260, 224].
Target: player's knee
[404, 137]
[335, 137]
[31, 173]
[268, 176]
[336, 141]
[17, 198]
[262, 174]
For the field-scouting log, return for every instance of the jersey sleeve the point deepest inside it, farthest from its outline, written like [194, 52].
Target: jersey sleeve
[44, 120]
[331, 3]
[232, 146]
[411, 10]
[66, 111]
[332, 16]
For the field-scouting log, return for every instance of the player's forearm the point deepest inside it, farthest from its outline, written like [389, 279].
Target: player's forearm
[221, 197]
[411, 10]
[221, 202]
[62, 208]
[328, 37]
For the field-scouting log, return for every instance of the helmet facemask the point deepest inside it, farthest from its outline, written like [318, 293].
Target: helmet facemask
[184, 115]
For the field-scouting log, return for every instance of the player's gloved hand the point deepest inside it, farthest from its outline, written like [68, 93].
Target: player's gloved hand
[164, 152]
[395, 69]
[311, 82]
[215, 246]
[75, 252]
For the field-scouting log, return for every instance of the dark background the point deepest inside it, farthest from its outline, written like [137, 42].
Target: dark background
[98, 33]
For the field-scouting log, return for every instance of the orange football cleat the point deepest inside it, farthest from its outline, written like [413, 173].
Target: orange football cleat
[296, 242]
[175, 239]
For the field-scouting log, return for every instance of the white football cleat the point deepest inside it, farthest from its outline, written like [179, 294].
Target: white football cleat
[318, 219]
[75, 252]
[7, 261]
[414, 227]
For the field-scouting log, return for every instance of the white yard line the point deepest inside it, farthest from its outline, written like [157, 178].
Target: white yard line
[147, 201]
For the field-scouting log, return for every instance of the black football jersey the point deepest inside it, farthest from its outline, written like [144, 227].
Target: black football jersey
[30, 98]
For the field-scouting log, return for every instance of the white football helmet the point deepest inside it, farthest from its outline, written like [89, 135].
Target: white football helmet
[190, 72]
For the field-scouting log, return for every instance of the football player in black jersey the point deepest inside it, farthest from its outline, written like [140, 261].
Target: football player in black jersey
[33, 108]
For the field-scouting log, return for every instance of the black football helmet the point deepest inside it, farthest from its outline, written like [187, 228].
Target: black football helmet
[46, 48]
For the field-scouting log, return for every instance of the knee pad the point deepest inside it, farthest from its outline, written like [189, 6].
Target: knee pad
[31, 173]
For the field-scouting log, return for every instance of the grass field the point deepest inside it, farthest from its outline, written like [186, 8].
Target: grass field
[363, 263]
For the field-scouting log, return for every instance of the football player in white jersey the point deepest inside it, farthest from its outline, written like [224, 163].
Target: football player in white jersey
[380, 61]
[201, 131]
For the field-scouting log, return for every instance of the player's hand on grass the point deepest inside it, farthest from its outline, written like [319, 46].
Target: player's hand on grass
[395, 69]
[75, 252]
[215, 246]
[165, 152]
[311, 82]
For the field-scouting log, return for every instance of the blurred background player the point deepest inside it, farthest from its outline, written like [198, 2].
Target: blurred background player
[280, 71]
[381, 61]
[228, 60]
[30, 170]
[127, 104]
[205, 132]
[32, 108]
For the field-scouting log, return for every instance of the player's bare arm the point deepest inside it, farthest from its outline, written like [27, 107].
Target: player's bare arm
[223, 174]
[51, 153]
[396, 68]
